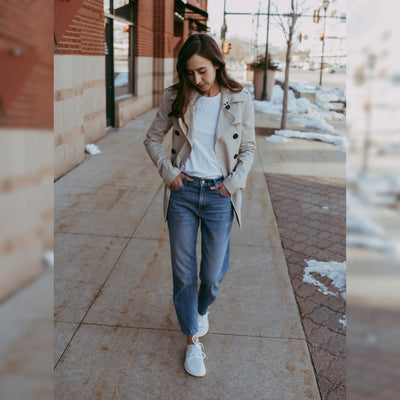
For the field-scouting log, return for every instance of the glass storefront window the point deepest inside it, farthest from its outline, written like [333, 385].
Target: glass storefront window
[121, 59]
[120, 3]
[110, 6]
[107, 6]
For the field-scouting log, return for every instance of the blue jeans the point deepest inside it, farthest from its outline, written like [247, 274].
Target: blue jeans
[191, 206]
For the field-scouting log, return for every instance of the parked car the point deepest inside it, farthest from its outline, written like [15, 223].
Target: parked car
[338, 68]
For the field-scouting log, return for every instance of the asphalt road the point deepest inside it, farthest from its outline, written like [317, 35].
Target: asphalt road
[337, 79]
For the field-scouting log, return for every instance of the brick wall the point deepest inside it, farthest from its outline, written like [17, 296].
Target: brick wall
[79, 81]
[144, 29]
[85, 32]
[26, 69]
[163, 39]
[26, 140]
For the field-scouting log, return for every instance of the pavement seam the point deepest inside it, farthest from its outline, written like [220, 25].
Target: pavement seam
[107, 277]
[91, 234]
[178, 331]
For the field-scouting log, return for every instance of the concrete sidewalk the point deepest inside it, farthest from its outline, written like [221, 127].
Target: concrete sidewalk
[117, 336]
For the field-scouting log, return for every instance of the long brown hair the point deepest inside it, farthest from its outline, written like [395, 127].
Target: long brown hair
[205, 46]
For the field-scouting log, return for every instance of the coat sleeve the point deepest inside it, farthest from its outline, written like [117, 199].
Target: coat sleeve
[154, 138]
[236, 180]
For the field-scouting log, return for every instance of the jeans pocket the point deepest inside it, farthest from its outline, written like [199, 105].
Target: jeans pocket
[223, 195]
[178, 190]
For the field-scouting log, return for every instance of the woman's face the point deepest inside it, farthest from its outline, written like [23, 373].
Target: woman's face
[202, 73]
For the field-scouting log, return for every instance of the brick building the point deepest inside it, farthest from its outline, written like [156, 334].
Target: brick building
[26, 141]
[113, 60]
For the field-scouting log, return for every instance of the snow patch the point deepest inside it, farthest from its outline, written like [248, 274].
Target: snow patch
[48, 258]
[277, 139]
[377, 198]
[338, 141]
[335, 271]
[92, 149]
[312, 117]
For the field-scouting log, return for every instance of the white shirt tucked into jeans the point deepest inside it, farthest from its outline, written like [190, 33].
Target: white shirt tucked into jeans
[202, 162]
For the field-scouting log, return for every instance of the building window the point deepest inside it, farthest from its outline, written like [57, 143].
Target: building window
[121, 13]
[122, 77]
[107, 6]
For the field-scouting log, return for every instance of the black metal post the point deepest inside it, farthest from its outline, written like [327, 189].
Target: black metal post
[264, 94]
[323, 49]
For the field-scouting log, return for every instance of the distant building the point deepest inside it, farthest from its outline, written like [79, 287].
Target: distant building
[113, 60]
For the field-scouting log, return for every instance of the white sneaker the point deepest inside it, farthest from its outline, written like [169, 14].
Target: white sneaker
[202, 325]
[194, 361]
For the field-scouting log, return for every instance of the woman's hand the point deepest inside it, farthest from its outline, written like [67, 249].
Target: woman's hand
[222, 189]
[178, 181]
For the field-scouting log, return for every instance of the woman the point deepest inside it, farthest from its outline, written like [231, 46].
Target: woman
[213, 146]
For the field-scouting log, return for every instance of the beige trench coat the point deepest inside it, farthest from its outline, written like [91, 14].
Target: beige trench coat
[234, 142]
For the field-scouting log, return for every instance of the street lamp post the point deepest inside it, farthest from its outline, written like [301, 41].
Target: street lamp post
[325, 4]
[264, 94]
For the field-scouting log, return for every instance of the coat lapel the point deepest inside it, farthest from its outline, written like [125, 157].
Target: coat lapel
[189, 116]
[229, 113]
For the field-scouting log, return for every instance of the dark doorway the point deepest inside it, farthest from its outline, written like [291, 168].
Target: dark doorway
[109, 50]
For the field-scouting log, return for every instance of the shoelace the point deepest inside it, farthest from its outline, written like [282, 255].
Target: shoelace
[196, 351]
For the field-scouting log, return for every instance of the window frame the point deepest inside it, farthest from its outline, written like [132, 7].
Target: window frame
[131, 50]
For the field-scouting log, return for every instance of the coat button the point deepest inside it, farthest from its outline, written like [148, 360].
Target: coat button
[173, 151]
[235, 156]
[177, 133]
[235, 136]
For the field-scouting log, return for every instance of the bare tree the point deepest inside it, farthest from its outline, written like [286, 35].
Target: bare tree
[287, 23]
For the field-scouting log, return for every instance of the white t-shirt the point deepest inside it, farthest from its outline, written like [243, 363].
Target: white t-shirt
[202, 162]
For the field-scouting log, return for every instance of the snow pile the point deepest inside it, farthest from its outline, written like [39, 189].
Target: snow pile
[277, 139]
[92, 149]
[267, 107]
[325, 97]
[333, 139]
[312, 117]
[274, 106]
[382, 190]
[297, 107]
[335, 271]
[382, 244]
[364, 211]
[316, 124]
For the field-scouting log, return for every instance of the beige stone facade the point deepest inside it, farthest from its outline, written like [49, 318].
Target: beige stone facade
[79, 108]
[154, 75]
[26, 198]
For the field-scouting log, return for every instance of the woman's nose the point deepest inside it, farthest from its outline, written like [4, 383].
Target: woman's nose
[197, 78]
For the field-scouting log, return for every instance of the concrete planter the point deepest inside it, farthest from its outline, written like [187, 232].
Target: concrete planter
[258, 81]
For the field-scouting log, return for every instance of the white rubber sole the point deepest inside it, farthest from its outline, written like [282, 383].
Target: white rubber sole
[197, 375]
